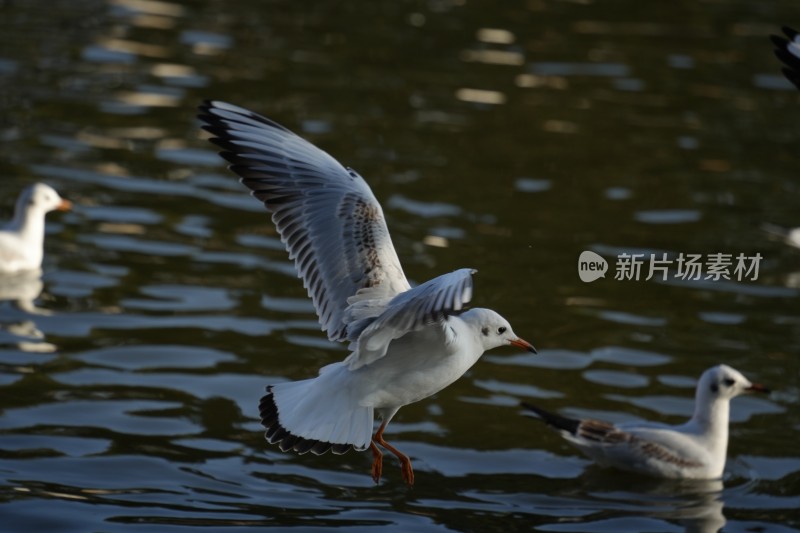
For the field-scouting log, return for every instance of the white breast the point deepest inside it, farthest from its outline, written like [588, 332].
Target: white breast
[408, 374]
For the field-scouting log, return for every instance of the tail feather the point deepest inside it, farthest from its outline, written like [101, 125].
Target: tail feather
[277, 434]
[316, 415]
[570, 425]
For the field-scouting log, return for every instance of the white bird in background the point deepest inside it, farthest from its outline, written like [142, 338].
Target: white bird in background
[405, 343]
[22, 238]
[694, 450]
[788, 51]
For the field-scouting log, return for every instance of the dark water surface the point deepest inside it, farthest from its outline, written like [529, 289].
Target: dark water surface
[503, 136]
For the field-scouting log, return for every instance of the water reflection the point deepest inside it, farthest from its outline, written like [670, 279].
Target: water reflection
[696, 506]
[18, 324]
[22, 289]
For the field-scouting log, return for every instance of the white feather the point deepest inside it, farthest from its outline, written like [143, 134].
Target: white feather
[324, 409]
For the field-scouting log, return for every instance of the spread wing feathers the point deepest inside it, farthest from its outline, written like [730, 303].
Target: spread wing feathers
[375, 321]
[326, 214]
[597, 436]
[788, 51]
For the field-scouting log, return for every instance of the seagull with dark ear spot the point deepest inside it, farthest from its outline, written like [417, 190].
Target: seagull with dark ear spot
[694, 450]
[406, 343]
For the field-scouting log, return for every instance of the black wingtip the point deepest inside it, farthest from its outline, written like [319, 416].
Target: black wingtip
[778, 41]
[204, 113]
[226, 115]
[788, 56]
[569, 425]
[792, 75]
[277, 434]
[205, 105]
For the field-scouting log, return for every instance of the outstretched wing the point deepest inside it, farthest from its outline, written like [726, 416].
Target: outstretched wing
[326, 214]
[788, 51]
[375, 323]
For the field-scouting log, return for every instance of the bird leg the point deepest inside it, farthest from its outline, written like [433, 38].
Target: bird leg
[377, 463]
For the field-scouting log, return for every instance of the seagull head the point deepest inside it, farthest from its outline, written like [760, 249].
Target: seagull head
[494, 330]
[43, 198]
[724, 382]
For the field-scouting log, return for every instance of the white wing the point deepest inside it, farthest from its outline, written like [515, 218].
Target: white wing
[375, 323]
[788, 51]
[326, 214]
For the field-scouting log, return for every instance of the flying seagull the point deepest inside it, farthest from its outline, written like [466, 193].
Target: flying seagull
[694, 450]
[406, 343]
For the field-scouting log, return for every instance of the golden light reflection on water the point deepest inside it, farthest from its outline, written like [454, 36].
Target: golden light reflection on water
[102, 141]
[151, 7]
[207, 49]
[138, 133]
[533, 81]
[149, 99]
[495, 36]
[155, 22]
[496, 57]
[560, 126]
[172, 70]
[110, 168]
[436, 241]
[481, 96]
[121, 228]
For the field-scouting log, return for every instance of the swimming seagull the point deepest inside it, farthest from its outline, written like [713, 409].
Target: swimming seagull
[22, 238]
[694, 450]
[405, 343]
[788, 51]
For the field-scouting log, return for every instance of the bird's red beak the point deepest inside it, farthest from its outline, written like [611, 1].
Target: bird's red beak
[65, 205]
[757, 387]
[525, 345]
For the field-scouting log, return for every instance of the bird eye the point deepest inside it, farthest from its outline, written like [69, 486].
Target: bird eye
[501, 330]
[728, 382]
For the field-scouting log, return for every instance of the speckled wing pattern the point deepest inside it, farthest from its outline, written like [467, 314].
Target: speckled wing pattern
[327, 216]
[590, 433]
[604, 433]
[788, 51]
